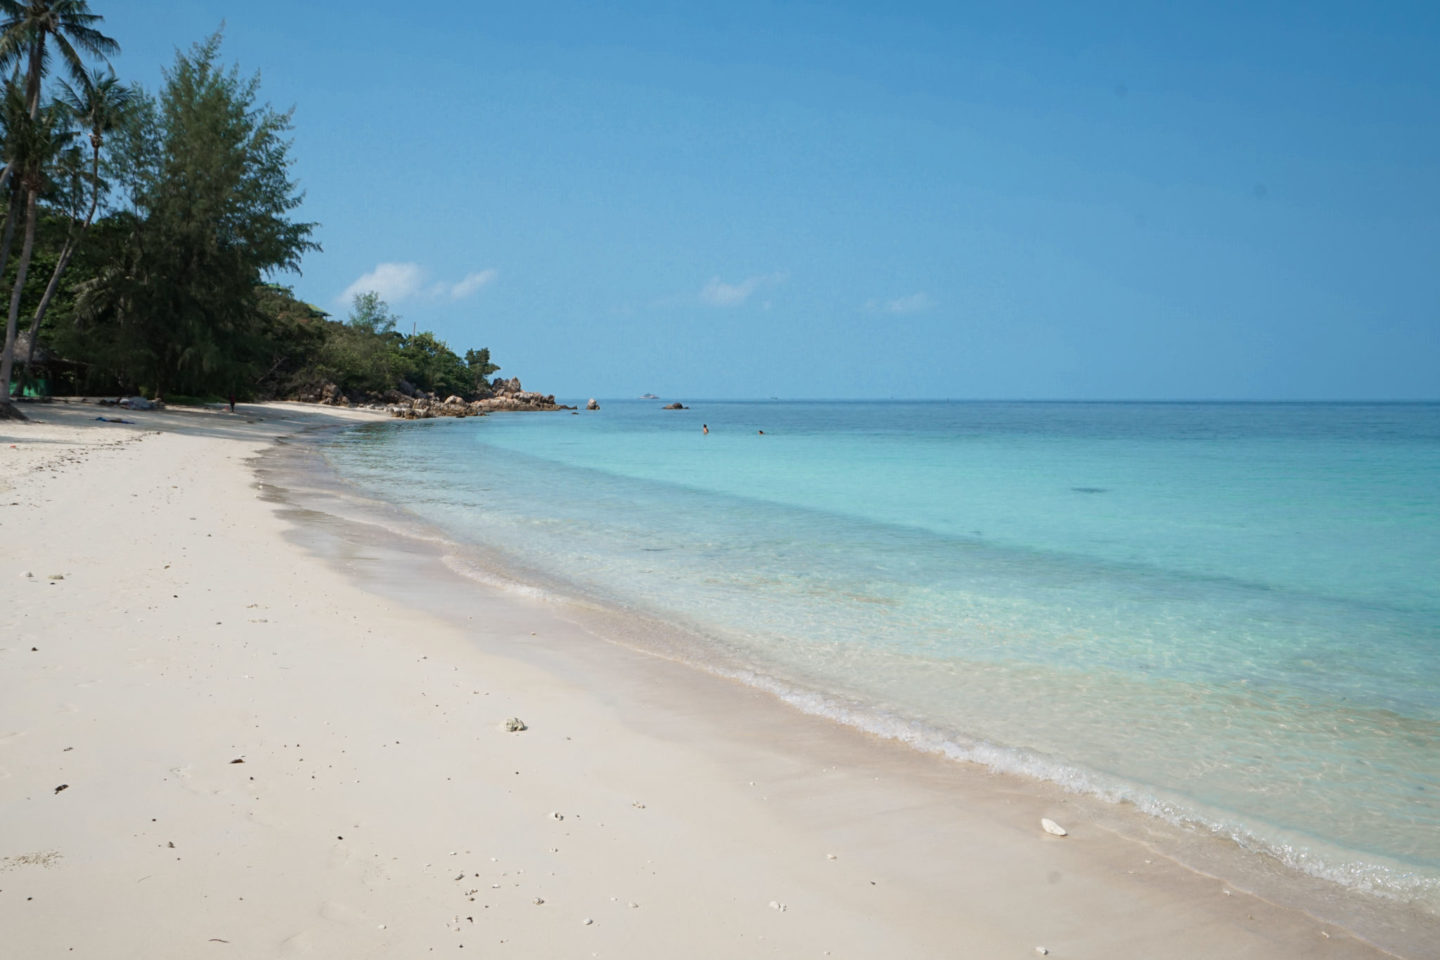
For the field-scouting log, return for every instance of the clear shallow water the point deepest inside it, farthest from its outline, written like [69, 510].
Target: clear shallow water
[1227, 614]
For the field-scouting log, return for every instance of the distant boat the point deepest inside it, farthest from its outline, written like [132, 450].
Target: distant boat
[648, 396]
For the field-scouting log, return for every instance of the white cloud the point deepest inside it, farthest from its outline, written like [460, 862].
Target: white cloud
[396, 282]
[393, 281]
[718, 293]
[913, 303]
[472, 283]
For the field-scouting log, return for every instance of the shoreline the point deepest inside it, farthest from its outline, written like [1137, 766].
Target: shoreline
[712, 806]
[1221, 852]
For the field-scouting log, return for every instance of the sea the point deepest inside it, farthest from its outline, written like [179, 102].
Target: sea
[1224, 615]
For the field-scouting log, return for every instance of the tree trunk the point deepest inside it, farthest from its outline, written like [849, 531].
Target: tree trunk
[7, 409]
[50, 288]
[7, 362]
[66, 252]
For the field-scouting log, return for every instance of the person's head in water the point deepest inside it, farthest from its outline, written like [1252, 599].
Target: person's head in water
[704, 428]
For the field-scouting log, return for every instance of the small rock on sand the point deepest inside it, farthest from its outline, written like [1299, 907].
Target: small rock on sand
[1052, 827]
[515, 725]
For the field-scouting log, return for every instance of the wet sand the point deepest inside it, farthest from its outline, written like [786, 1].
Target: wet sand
[230, 724]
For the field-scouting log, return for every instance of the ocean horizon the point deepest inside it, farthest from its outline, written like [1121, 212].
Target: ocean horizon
[1223, 613]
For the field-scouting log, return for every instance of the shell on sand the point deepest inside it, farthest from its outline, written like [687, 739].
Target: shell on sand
[1052, 827]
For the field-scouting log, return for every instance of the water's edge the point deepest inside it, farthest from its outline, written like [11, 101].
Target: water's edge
[328, 511]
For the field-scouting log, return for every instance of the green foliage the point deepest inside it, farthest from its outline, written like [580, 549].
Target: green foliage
[168, 294]
[369, 313]
[480, 369]
[358, 360]
[210, 182]
[432, 366]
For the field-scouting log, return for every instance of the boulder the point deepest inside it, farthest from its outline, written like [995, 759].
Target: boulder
[675, 406]
[592, 404]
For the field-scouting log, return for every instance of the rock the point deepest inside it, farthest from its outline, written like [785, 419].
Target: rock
[515, 725]
[675, 406]
[592, 404]
[137, 403]
[1053, 828]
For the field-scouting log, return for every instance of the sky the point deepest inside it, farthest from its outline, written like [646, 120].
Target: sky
[829, 200]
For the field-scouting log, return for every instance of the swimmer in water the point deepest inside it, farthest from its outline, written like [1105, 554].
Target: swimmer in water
[705, 428]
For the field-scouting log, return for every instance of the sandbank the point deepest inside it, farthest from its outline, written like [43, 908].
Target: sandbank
[232, 728]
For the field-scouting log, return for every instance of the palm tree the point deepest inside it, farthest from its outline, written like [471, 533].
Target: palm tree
[33, 144]
[32, 25]
[98, 106]
[28, 30]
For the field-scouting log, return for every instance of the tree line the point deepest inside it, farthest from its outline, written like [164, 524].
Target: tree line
[143, 233]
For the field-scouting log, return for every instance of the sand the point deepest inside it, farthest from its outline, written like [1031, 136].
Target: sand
[226, 731]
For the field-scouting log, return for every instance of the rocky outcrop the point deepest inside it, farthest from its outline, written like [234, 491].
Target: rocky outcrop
[410, 403]
[423, 408]
[675, 406]
[592, 404]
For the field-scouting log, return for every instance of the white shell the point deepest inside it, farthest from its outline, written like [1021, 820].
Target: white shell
[1052, 827]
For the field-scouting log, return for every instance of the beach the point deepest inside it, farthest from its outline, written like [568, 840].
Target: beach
[228, 726]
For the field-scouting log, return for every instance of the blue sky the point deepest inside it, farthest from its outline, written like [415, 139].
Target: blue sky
[1027, 200]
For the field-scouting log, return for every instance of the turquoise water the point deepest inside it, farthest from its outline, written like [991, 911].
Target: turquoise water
[1227, 614]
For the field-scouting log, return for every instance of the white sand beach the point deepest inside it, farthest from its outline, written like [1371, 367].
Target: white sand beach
[216, 741]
